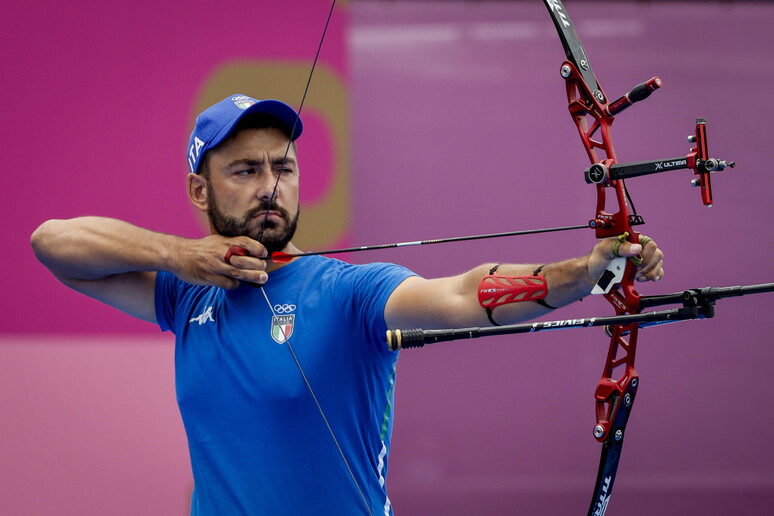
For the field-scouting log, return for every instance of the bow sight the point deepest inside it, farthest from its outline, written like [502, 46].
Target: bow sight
[697, 160]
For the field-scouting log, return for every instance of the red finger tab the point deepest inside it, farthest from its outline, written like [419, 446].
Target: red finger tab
[234, 250]
[495, 290]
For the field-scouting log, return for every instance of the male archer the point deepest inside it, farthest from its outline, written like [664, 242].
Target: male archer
[282, 416]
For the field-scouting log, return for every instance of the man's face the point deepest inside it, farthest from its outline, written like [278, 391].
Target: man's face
[243, 173]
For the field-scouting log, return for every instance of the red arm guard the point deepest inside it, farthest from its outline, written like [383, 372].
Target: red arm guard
[495, 290]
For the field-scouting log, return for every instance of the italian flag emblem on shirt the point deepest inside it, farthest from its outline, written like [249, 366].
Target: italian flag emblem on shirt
[282, 327]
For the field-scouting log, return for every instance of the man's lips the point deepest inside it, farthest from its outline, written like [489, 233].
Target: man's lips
[268, 215]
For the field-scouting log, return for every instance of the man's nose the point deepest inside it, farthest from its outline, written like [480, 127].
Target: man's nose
[268, 188]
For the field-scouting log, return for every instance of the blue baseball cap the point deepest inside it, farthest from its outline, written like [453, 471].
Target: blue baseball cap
[216, 122]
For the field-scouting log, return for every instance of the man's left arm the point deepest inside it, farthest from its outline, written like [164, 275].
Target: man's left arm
[452, 302]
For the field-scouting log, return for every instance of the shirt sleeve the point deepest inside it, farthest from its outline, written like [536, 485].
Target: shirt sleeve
[167, 289]
[373, 285]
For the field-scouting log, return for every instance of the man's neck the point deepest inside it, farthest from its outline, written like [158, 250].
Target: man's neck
[288, 249]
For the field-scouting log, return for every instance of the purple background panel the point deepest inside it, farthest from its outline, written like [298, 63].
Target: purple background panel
[459, 126]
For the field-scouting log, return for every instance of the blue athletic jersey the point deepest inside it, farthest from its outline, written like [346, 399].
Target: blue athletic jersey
[257, 441]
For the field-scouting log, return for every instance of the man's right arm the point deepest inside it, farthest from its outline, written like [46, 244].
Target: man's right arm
[116, 262]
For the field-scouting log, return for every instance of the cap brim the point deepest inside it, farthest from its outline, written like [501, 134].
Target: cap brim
[285, 114]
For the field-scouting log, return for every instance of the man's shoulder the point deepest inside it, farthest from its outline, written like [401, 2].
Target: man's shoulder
[355, 270]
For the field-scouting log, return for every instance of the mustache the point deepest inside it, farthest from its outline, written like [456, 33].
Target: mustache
[266, 207]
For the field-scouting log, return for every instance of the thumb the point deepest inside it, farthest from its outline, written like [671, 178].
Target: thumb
[628, 249]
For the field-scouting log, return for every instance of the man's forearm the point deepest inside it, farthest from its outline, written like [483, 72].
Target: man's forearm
[88, 248]
[453, 301]
[566, 281]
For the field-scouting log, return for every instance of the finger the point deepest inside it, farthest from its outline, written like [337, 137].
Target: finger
[224, 281]
[654, 271]
[655, 275]
[234, 250]
[653, 261]
[257, 276]
[253, 247]
[239, 257]
[628, 249]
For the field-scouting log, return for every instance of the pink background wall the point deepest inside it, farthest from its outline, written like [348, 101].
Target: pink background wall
[459, 126]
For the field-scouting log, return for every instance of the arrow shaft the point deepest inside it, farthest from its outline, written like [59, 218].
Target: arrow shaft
[284, 256]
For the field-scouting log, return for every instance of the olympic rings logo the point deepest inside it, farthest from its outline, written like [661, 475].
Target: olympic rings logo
[284, 309]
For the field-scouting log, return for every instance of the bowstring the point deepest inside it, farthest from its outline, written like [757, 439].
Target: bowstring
[286, 340]
[295, 122]
[263, 291]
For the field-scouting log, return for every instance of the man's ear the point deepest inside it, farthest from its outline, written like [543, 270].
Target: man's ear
[197, 191]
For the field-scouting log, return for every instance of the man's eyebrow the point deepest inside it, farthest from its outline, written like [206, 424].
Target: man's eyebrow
[251, 162]
[278, 160]
[244, 161]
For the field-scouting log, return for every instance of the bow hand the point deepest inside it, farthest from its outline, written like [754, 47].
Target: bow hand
[610, 249]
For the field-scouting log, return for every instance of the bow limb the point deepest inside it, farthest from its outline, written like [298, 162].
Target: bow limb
[593, 117]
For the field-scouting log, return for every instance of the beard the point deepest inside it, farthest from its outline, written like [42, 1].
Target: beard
[273, 235]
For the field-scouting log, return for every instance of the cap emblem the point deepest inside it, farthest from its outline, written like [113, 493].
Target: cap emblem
[243, 101]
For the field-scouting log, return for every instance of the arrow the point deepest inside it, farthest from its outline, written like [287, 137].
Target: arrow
[280, 257]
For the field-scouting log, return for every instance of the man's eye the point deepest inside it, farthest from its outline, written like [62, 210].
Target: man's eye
[244, 172]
